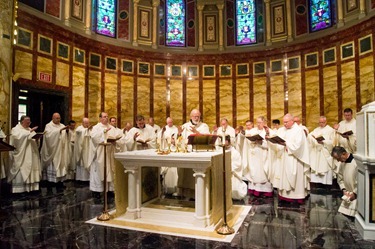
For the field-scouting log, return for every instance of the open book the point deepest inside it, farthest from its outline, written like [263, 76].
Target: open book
[319, 139]
[142, 142]
[276, 139]
[254, 137]
[111, 139]
[38, 135]
[347, 133]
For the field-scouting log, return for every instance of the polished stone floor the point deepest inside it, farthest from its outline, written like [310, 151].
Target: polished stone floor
[57, 220]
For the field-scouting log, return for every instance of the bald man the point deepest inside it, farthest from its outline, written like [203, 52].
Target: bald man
[294, 170]
[186, 181]
[81, 150]
[55, 152]
[168, 133]
[99, 134]
[321, 144]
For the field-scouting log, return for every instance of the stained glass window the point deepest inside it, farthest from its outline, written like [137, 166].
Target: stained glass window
[245, 22]
[175, 27]
[106, 17]
[320, 14]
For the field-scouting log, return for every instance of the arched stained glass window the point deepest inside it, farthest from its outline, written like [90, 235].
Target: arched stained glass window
[106, 17]
[175, 27]
[320, 14]
[245, 22]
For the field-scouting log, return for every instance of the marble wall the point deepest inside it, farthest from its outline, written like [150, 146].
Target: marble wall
[6, 30]
[324, 89]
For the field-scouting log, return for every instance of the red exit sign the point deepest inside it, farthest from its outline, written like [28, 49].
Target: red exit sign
[46, 77]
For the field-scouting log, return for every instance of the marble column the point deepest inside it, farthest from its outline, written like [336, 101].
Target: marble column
[221, 26]
[67, 12]
[200, 20]
[268, 22]
[133, 211]
[340, 14]
[135, 22]
[7, 19]
[289, 21]
[202, 219]
[155, 5]
[88, 18]
[362, 9]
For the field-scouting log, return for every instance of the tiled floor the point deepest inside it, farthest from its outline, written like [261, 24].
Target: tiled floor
[56, 220]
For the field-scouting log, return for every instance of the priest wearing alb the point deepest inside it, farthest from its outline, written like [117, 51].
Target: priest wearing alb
[103, 137]
[81, 150]
[239, 187]
[55, 152]
[140, 137]
[346, 132]
[294, 172]
[186, 181]
[255, 160]
[224, 130]
[321, 144]
[167, 138]
[25, 167]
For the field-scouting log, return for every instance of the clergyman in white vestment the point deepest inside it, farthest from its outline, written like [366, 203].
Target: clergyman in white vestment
[140, 137]
[186, 181]
[294, 184]
[25, 167]
[321, 144]
[81, 150]
[167, 138]
[100, 133]
[55, 150]
[255, 161]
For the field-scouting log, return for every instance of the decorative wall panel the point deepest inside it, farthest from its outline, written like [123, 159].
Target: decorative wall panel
[160, 100]
[78, 94]
[366, 73]
[110, 94]
[23, 64]
[127, 99]
[260, 97]
[209, 103]
[313, 99]
[330, 94]
[243, 99]
[94, 97]
[192, 96]
[176, 101]
[277, 97]
[226, 100]
[294, 94]
[62, 74]
[348, 85]
[143, 97]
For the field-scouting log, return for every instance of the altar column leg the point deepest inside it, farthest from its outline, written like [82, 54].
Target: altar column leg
[201, 217]
[133, 211]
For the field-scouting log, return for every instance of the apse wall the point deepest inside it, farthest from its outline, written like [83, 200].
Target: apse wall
[309, 79]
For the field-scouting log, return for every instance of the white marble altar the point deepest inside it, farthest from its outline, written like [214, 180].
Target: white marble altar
[207, 167]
